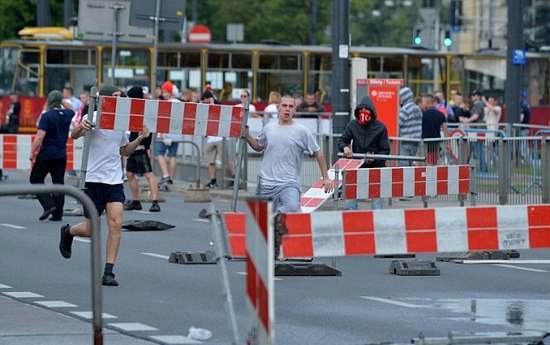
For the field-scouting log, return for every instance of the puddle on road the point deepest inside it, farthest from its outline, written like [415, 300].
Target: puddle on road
[523, 314]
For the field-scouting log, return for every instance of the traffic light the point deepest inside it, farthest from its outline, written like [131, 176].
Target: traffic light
[417, 39]
[447, 40]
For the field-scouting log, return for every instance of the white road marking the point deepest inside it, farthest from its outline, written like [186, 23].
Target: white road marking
[175, 339]
[56, 304]
[142, 211]
[22, 294]
[2, 286]
[522, 268]
[521, 262]
[89, 315]
[390, 301]
[202, 220]
[166, 257]
[12, 226]
[132, 326]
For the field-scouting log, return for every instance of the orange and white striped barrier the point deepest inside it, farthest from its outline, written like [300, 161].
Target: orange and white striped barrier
[234, 224]
[259, 274]
[449, 229]
[130, 114]
[15, 150]
[316, 196]
[407, 181]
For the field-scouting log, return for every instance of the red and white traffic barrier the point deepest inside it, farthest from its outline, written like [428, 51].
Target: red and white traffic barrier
[390, 182]
[130, 114]
[316, 196]
[259, 274]
[15, 150]
[449, 229]
[407, 181]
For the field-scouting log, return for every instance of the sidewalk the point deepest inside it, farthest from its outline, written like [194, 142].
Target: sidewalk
[26, 324]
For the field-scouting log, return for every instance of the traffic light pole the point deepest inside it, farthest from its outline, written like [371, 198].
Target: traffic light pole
[514, 72]
[340, 70]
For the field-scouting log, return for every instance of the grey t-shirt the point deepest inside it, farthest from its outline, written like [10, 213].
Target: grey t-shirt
[478, 109]
[284, 147]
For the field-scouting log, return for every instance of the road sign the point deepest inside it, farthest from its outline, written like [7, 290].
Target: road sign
[95, 22]
[200, 34]
[142, 14]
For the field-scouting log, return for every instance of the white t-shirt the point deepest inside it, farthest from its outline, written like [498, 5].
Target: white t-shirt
[284, 147]
[104, 165]
[492, 117]
[271, 109]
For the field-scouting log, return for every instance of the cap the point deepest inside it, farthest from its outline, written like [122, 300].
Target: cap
[54, 99]
[523, 94]
[477, 93]
[207, 94]
[135, 92]
[108, 90]
[168, 87]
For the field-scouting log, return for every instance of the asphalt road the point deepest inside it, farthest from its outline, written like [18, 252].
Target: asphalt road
[366, 304]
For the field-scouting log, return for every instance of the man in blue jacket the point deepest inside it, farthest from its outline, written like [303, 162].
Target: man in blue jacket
[369, 135]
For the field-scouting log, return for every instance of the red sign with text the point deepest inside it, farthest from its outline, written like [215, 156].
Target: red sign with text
[385, 95]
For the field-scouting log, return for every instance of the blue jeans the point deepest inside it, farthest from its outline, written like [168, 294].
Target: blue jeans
[478, 150]
[407, 149]
[376, 204]
[524, 146]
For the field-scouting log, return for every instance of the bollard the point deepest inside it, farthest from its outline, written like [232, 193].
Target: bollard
[503, 173]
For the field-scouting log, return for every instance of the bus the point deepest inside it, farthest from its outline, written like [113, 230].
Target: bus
[34, 67]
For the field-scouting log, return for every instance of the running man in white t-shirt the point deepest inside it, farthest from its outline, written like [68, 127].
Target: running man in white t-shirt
[284, 143]
[104, 185]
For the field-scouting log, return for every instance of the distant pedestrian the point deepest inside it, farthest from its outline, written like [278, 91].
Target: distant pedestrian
[410, 125]
[52, 135]
[12, 117]
[310, 105]
[139, 163]
[433, 122]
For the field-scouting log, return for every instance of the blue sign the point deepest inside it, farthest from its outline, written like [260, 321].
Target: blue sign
[519, 57]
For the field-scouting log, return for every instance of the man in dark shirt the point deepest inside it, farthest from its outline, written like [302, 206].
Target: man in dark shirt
[432, 122]
[310, 105]
[525, 118]
[52, 135]
[13, 114]
[139, 162]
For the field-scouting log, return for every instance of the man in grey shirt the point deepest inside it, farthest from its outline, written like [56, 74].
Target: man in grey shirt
[284, 143]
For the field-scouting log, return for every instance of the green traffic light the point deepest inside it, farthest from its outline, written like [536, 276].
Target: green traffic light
[417, 40]
[447, 41]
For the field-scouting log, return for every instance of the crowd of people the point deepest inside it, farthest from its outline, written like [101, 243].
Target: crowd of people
[282, 141]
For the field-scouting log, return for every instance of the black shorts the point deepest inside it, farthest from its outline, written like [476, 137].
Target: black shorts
[139, 163]
[102, 193]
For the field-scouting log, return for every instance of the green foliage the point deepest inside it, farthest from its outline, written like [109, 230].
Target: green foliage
[15, 15]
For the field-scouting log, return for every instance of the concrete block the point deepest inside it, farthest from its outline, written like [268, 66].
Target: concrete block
[414, 268]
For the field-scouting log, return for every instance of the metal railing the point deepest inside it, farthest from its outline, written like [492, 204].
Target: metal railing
[96, 242]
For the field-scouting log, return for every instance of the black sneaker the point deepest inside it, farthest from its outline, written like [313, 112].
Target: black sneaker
[47, 213]
[169, 181]
[164, 180]
[109, 280]
[134, 205]
[211, 184]
[155, 207]
[66, 241]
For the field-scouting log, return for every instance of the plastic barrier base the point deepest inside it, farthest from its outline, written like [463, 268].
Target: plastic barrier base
[192, 258]
[395, 256]
[414, 268]
[481, 255]
[305, 269]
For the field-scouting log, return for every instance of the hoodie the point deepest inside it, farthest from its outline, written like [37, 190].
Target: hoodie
[369, 138]
[410, 116]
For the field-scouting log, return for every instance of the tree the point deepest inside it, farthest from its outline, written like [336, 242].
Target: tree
[15, 15]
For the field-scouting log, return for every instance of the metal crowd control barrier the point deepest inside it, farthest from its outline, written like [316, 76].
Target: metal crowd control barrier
[96, 242]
